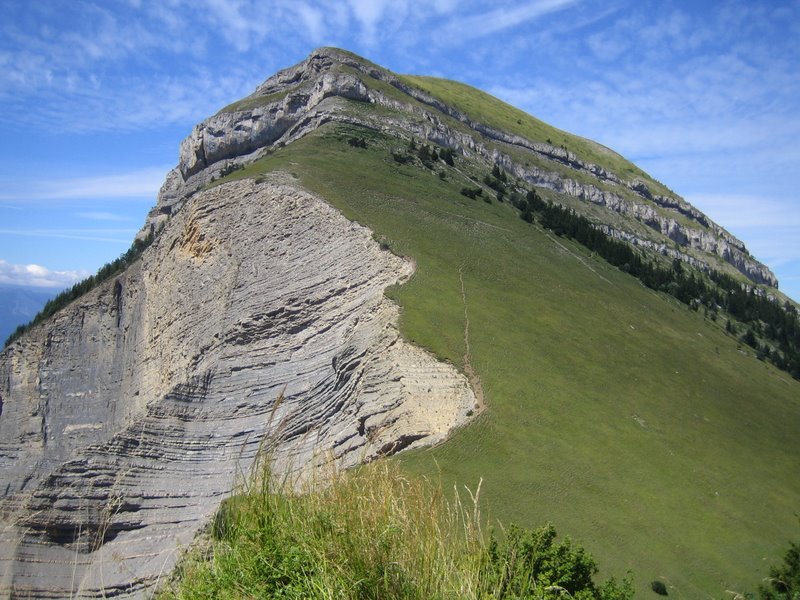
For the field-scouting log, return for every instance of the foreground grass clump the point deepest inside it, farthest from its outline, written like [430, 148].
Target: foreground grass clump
[376, 533]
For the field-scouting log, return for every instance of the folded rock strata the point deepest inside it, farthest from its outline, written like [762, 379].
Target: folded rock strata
[257, 314]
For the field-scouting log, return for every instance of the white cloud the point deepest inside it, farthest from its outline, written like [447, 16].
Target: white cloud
[369, 13]
[486, 23]
[745, 211]
[241, 23]
[38, 276]
[313, 20]
[114, 236]
[102, 216]
[143, 183]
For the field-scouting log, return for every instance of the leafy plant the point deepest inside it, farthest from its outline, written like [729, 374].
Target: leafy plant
[783, 582]
[658, 587]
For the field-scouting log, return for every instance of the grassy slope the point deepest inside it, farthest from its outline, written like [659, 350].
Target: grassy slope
[487, 109]
[615, 413]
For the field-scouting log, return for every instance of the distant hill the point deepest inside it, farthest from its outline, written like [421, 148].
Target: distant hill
[19, 304]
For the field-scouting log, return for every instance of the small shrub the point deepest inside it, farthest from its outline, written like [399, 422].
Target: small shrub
[783, 582]
[658, 587]
[357, 142]
[471, 192]
[400, 157]
[446, 154]
[230, 168]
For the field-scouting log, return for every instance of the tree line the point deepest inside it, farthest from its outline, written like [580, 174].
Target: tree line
[772, 329]
[105, 272]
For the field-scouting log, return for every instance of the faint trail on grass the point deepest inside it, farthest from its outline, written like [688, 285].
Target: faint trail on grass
[579, 258]
[444, 212]
[473, 378]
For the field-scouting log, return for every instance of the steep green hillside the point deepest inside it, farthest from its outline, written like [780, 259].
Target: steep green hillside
[628, 421]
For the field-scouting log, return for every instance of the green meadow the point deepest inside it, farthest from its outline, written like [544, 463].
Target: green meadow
[634, 425]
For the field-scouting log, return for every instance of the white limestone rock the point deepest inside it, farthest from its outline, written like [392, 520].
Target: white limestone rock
[126, 419]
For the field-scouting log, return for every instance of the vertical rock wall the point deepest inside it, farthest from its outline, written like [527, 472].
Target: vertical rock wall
[126, 419]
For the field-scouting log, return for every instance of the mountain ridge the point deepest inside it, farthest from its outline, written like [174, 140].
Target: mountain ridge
[282, 109]
[248, 303]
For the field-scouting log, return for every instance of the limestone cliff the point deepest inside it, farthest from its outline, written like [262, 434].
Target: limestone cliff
[321, 89]
[126, 420]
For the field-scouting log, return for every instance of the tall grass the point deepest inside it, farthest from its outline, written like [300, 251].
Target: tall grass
[376, 533]
[370, 533]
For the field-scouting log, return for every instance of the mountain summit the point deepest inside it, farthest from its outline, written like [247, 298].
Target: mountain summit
[350, 263]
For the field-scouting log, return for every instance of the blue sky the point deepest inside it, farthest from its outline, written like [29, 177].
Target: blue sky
[96, 96]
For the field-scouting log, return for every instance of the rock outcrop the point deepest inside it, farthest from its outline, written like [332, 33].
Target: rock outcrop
[257, 314]
[297, 100]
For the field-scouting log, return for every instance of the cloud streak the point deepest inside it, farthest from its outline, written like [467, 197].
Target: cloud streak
[87, 235]
[500, 19]
[139, 184]
[38, 276]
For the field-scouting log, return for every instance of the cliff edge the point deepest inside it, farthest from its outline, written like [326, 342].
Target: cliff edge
[257, 314]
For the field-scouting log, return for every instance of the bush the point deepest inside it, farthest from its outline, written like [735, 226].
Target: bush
[357, 142]
[446, 154]
[529, 562]
[400, 157]
[783, 582]
[230, 168]
[658, 587]
[471, 192]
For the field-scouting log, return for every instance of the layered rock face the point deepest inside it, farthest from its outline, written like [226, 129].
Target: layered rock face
[299, 99]
[257, 318]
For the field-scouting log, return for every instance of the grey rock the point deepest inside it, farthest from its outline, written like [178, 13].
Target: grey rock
[257, 314]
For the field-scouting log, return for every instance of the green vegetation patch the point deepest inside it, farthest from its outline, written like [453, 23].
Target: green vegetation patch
[254, 101]
[375, 533]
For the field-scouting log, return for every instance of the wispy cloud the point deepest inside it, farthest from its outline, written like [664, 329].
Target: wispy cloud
[114, 236]
[38, 276]
[499, 19]
[103, 216]
[140, 184]
[741, 211]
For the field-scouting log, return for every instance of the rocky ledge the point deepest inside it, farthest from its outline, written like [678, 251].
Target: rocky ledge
[297, 100]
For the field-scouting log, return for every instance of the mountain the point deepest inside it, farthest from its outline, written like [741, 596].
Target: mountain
[19, 304]
[337, 269]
